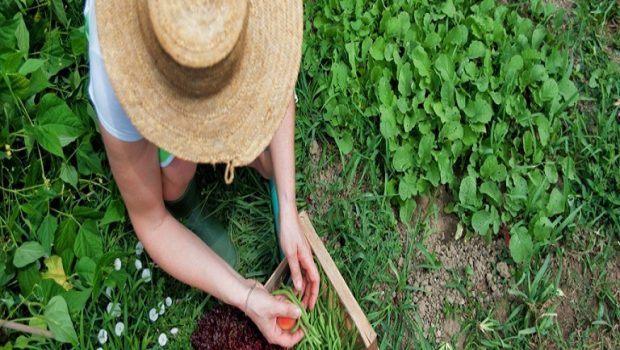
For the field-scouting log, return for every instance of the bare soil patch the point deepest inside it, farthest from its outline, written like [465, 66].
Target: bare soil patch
[471, 272]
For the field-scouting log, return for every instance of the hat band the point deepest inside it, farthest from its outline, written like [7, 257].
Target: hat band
[196, 82]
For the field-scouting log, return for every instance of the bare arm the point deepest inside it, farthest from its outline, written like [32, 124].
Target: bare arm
[177, 250]
[298, 253]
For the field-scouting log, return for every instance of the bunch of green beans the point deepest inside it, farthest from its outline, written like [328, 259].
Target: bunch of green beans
[325, 327]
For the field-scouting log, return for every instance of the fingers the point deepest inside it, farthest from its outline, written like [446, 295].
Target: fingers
[293, 264]
[312, 280]
[287, 339]
[287, 309]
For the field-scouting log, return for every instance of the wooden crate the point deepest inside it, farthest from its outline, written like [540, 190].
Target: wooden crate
[367, 338]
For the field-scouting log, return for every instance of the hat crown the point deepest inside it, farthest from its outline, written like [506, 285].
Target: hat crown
[198, 33]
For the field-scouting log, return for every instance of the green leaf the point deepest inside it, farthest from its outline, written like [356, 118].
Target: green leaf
[544, 129]
[48, 140]
[458, 35]
[405, 79]
[492, 190]
[479, 110]
[59, 10]
[57, 316]
[514, 65]
[388, 125]
[467, 191]
[407, 186]
[31, 65]
[476, 49]
[481, 221]
[538, 36]
[491, 169]
[340, 75]
[452, 130]
[521, 247]
[551, 172]
[445, 68]
[556, 203]
[542, 228]
[449, 9]
[67, 231]
[549, 90]
[85, 268]
[528, 143]
[76, 300]
[445, 163]
[568, 90]
[425, 147]
[68, 174]
[403, 158]
[28, 278]
[344, 143]
[421, 61]
[27, 253]
[406, 210]
[22, 35]
[378, 48]
[88, 241]
[46, 232]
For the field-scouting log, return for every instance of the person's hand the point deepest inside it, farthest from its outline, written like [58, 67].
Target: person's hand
[263, 309]
[299, 256]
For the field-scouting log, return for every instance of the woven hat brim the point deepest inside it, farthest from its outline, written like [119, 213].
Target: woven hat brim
[231, 126]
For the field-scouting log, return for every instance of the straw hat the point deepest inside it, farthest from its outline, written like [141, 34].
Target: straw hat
[207, 80]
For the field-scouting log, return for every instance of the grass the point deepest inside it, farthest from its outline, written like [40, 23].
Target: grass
[347, 198]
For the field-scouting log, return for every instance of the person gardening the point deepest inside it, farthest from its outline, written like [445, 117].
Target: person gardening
[176, 83]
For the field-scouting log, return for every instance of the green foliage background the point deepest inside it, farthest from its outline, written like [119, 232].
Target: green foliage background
[466, 94]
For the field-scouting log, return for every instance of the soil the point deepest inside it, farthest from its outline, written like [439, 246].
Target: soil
[322, 179]
[578, 308]
[435, 289]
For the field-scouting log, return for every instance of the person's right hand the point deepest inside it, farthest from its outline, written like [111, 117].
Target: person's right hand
[263, 309]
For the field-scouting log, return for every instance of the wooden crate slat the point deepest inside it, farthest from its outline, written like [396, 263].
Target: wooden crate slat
[369, 337]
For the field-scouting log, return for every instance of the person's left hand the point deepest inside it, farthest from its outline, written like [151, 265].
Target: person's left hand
[299, 256]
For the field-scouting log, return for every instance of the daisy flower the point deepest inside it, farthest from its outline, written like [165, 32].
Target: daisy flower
[139, 248]
[163, 339]
[119, 328]
[117, 264]
[102, 336]
[153, 315]
[146, 275]
[138, 264]
[114, 309]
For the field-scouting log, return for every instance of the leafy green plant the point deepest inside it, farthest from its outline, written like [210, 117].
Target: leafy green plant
[466, 94]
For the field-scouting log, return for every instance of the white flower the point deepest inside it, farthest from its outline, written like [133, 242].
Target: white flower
[99, 348]
[138, 264]
[119, 328]
[162, 339]
[174, 331]
[168, 301]
[162, 307]
[117, 264]
[153, 315]
[139, 248]
[146, 275]
[102, 336]
[114, 309]
[108, 292]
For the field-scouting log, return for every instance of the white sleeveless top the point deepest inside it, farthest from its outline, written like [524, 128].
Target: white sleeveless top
[109, 111]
